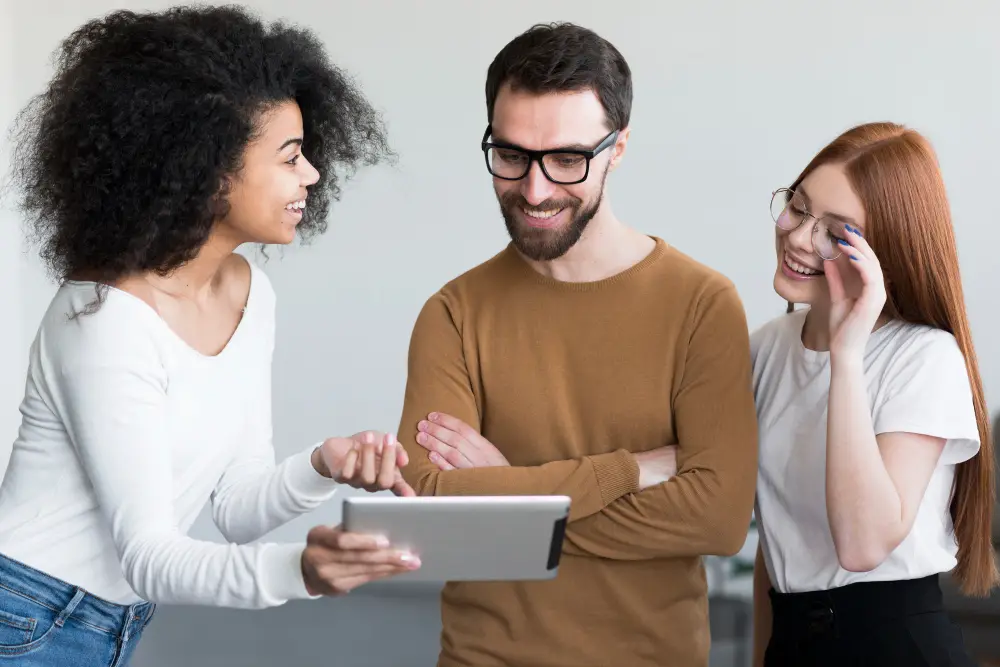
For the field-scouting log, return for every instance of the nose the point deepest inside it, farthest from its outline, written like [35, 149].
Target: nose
[535, 187]
[309, 173]
[801, 238]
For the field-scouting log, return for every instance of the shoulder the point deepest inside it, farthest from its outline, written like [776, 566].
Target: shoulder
[775, 332]
[920, 341]
[705, 295]
[909, 348]
[123, 331]
[475, 285]
[689, 274]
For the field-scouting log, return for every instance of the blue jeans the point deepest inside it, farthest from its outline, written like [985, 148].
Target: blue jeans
[45, 622]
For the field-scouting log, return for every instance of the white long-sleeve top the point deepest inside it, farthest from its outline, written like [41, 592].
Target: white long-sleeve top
[127, 432]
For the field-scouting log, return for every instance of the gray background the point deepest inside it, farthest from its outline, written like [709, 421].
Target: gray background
[732, 99]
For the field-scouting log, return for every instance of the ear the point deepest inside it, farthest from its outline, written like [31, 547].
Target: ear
[618, 149]
[219, 204]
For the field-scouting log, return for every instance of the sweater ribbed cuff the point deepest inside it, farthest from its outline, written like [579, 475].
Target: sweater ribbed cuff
[282, 578]
[305, 482]
[617, 474]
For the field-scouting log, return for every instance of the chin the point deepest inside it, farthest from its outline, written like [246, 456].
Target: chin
[793, 291]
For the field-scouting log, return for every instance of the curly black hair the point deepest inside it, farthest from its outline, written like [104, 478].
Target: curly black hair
[122, 162]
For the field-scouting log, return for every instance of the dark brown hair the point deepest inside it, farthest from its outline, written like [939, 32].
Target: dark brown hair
[561, 58]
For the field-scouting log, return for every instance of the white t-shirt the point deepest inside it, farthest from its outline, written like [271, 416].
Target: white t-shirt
[917, 382]
[127, 432]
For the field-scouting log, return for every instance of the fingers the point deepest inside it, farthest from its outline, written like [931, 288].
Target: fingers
[456, 426]
[387, 468]
[336, 539]
[834, 281]
[440, 433]
[350, 464]
[402, 488]
[402, 458]
[346, 585]
[368, 468]
[864, 259]
[440, 461]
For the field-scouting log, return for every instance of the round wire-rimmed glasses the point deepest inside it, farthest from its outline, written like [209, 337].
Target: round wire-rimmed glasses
[789, 211]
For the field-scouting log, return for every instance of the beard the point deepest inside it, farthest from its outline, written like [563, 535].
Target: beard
[543, 245]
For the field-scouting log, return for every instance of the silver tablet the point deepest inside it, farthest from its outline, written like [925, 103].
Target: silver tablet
[467, 538]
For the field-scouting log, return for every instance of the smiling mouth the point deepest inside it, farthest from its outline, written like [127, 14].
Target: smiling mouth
[296, 207]
[799, 269]
[542, 218]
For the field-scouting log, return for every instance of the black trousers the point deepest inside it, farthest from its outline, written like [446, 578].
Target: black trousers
[888, 624]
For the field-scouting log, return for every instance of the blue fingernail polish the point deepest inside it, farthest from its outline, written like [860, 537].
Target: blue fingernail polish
[854, 259]
[842, 242]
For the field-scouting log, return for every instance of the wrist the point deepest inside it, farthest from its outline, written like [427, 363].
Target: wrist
[318, 463]
[848, 359]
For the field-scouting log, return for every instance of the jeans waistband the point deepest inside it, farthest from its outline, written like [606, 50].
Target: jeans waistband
[72, 601]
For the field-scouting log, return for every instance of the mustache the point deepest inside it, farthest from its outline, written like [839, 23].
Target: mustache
[511, 199]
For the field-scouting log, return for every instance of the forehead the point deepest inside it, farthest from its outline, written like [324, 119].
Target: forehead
[280, 123]
[827, 190]
[549, 120]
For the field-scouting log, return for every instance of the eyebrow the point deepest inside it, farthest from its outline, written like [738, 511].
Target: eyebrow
[836, 216]
[289, 142]
[571, 147]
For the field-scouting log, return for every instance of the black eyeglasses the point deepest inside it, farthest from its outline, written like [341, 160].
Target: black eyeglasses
[565, 166]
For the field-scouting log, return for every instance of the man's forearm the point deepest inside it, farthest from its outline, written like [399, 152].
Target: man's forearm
[591, 482]
[696, 513]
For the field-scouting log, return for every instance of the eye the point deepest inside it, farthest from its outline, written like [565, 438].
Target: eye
[294, 160]
[512, 157]
[569, 160]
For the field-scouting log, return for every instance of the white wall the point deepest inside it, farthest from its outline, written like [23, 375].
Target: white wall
[731, 100]
[12, 352]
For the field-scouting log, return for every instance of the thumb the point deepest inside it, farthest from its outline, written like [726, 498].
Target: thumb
[834, 280]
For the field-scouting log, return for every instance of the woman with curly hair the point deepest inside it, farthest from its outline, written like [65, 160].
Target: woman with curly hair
[163, 142]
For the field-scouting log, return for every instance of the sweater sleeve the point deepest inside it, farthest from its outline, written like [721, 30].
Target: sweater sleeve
[110, 387]
[438, 380]
[706, 508]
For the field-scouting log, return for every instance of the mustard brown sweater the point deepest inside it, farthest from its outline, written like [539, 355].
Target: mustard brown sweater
[567, 380]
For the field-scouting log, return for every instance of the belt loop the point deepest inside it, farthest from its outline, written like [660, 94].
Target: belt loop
[71, 607]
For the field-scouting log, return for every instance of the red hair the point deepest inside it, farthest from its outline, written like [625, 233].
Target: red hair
[895, 174]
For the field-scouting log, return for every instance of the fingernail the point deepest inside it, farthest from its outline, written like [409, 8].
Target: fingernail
[433, 416]
[390, 439]
[381, 541]
[842, 242]
[434, 457]
[421, 438]
[854, 259]
[368, 437]
[410, 560]
[422, 426]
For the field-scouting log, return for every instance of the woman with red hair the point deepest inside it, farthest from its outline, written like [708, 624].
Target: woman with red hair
[876, 462]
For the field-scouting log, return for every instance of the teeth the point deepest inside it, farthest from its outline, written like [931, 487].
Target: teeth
[296, 205]
[798, 268]
[541, 215]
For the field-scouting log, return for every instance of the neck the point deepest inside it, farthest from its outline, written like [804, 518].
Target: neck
[198, 278]
[606, 248]
[816, 329]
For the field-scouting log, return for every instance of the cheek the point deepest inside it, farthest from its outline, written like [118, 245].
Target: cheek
[503, 188]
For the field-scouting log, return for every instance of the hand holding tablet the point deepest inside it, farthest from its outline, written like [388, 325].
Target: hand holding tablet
[467, 538]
